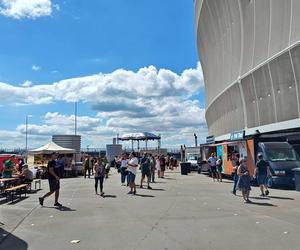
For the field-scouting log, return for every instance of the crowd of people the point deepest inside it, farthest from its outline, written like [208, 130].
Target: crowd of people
[127, 165]
[151, 167]
[241, 174]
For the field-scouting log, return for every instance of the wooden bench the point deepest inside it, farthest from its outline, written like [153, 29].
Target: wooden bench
[13, 190]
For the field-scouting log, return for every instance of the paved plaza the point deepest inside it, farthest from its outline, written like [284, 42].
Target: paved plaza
[181, 212]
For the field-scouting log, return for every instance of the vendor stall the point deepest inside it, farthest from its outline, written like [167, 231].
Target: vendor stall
[39, 157]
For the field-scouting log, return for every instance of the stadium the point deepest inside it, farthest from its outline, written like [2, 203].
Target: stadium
[250, 56]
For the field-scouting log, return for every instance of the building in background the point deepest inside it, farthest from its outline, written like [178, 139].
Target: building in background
[250, 56]
[69, 141]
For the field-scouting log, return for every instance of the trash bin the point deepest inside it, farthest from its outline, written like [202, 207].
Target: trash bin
[189, 167]
[297, 178]
[185, 167]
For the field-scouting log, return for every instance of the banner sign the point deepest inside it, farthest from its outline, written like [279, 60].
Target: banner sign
[238, 135]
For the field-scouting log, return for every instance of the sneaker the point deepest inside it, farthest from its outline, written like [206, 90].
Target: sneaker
[134, 192]
[57, 204]
[41, 200]
[141, 186]
[267, 192]
[130, 192]
[149, 187]
[233, 192]
[262, 195]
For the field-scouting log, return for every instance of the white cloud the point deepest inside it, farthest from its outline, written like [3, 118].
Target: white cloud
[146, 100]
[31, 9]
[147, 83]
[26, 84]
[35, 67]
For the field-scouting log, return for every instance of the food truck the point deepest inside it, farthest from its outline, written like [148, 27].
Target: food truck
[279, 153]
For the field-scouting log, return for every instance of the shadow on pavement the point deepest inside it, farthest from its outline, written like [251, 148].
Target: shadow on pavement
[260, 198]
[16, 200]
[109, 196]
[280, 198]
[262, 204]
[145, 195]
[158, 189]
[163, 182]
[169, 178]
[63, 208]
[11, 242]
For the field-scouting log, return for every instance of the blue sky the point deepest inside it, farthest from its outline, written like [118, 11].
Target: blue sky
[121, 50]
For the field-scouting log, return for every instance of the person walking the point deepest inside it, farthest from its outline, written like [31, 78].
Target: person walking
[99, 173]
[53, 179]
[213, 168]
[157, 166]
[152, 168]
[219, 164]
[162, 162]
[244, 181]
[235, 165]
[87, 166]
[123, 168]
[262, 171]
[132, 170]
[145, 169]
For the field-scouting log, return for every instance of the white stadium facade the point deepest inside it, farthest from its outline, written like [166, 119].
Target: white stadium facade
[250, 56]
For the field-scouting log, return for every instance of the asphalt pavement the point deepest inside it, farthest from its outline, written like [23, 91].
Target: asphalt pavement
[181, 212]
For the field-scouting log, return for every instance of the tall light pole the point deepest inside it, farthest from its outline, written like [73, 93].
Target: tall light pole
[76, 118]
[26, 135]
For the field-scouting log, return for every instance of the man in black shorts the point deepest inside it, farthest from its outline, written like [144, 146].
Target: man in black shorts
[262, 171]
[53, 178]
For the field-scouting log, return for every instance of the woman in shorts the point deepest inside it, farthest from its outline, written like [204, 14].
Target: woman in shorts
[244, 181]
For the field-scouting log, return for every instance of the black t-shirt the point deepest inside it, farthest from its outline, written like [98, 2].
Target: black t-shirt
[262, 166]
[52, 164]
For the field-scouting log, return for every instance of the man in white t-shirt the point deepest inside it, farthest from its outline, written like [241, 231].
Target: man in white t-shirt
[132, 169]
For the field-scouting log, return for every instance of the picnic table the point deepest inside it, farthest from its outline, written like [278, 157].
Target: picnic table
[11, 188]
[3, 180]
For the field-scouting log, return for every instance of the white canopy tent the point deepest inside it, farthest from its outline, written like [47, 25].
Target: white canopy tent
[52, 147]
